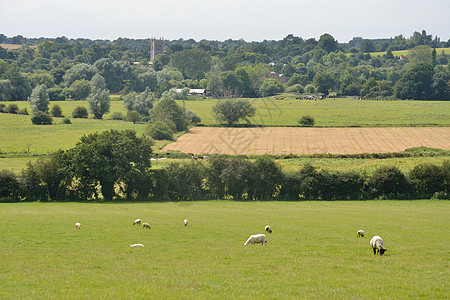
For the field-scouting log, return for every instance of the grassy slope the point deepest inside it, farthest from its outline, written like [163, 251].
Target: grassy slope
[312, 253]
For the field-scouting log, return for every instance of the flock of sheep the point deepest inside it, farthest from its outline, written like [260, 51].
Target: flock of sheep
[376, 242]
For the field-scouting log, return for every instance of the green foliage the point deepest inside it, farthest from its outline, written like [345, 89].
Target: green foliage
[190, 61]
[270, 87]
[167, 110]
[232, 111]
[79, 89]
[388, 182]
[306, 121]
[416, 83]
[110, 158]
[39, 99]
[41, 118]
[56, 111]
[80, 112]
[133, 116]
[429, 179]
[117, 116]
[192, 117]
[66, 121]
[9, 186]
[160, 131]
[12, 109]
[99, 102]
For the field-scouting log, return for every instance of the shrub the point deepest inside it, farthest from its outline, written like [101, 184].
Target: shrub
[56, 94]
[66, 121]
[117, 116]
[133, 116]
[427, 179]
[9, 187]
[388, 182]
[23, 111]
[306, 121]
[56, 111]
[160, 131]
[2, 108]
[41, 118]
[296, 88]
[80, 112]
[12, 109]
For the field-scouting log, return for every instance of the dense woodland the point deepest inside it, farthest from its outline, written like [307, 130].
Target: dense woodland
[228, 69]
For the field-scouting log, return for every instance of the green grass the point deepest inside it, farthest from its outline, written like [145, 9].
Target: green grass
[405, 52]
[313, 251]
[338, 112]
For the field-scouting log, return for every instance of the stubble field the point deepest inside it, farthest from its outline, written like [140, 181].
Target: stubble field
[288, 140]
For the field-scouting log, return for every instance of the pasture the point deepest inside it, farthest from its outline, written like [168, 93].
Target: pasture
[313, 251]
[295, 140]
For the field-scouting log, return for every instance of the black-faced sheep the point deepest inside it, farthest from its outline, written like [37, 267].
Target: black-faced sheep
[137, 221]
[185, 222]
[77, 225]
[256, 239]
[360, 233]
[377, 245]
[146, 225]
[268, 229]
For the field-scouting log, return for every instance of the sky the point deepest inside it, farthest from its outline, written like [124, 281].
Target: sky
[251, 20]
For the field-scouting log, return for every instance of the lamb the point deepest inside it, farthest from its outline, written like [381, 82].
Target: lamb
[377, 245]
[146, 225]
[137, 245]
[185, 222]
[360, 233]
[78, 225]
[256, 239]
[137, 221]
[268, 229]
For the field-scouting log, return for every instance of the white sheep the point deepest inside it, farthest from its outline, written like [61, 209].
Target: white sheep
[185, 222]
[146, 225]
[137, 245]
[137, 221]
[377, 245]
[256, 239]
[268, 229]
[78, 225]
[360, 233]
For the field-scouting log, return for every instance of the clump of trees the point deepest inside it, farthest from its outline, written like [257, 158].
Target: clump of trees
[116, 166]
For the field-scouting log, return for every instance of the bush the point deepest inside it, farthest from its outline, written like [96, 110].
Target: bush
[23, 111]
[66, 121]
[306, 121]
[56, 94]
[41, 118]
[427, 179]
[117, 116]
[9, 187]
[80, 112]
[296, 88]
[388, 182]
[160, 131]
[12, 109]
[133, 116]
[56, 111]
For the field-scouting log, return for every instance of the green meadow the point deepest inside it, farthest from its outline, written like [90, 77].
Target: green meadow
[313, 251]
[405, 52]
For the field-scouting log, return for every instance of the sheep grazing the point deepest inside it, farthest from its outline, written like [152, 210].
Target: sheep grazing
[360, 233]
[137, 221]
[268, 229]
[77, 225]
[185, 222]
[137, 245]
[256, 239]
[377, 245]
[146, 225]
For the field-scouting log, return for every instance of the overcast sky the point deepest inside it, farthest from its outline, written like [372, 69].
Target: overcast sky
[251, 20]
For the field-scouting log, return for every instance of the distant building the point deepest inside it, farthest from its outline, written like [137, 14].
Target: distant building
[156, 47]
[280, 77]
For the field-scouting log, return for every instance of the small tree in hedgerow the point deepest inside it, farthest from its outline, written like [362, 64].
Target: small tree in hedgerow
[98, 102]
[306, 121]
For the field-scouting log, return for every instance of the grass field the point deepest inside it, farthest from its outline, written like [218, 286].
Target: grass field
[313, 251]
[338, 112]
[406, 52]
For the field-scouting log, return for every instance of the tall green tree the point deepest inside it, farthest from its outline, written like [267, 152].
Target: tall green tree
[416, 83]
[99, 102]
[39, 99]
[233, 110]
[167, 110]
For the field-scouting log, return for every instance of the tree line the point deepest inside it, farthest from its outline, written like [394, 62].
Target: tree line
[116, 166]
[229, 68]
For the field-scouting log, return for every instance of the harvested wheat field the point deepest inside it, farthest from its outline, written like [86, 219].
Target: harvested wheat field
[296, 140]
